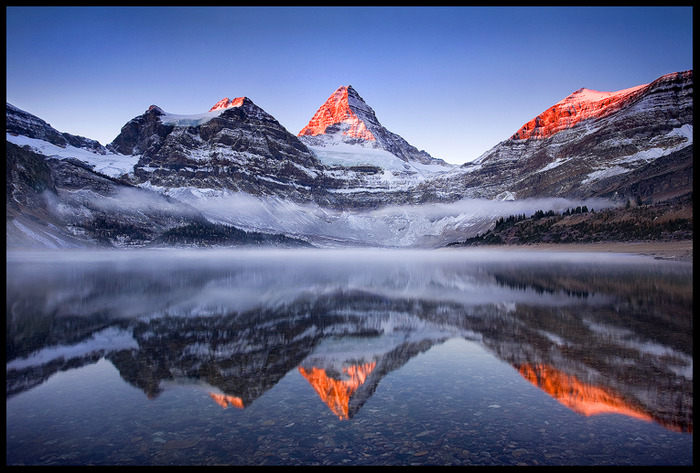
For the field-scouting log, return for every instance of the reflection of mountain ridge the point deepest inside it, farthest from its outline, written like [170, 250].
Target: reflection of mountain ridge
[346, 399]
[244, 347]
[588, 400]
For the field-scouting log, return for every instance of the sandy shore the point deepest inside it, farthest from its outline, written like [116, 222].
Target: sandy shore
[669, 250]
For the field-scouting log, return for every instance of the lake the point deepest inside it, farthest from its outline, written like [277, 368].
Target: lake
[348, 357]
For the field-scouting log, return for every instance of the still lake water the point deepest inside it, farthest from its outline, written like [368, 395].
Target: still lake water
[367, 357]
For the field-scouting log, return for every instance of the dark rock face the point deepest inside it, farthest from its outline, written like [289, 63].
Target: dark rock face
[27, 176]
[142, 134]
[241, 149]
[22, 123]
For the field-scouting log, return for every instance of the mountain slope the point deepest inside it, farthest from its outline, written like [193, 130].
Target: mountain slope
[613, 147]
[584, 104]
[31, 132]
[62, 203]
[19, 122]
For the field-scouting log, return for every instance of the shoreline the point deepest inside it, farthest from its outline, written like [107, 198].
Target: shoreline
[677, 250]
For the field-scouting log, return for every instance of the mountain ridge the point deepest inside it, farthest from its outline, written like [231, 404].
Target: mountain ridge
[585, 104]
[336, 187]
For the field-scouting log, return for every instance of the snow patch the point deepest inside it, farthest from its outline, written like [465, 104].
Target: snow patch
[190, 120]
[113, 165]
[645, 156]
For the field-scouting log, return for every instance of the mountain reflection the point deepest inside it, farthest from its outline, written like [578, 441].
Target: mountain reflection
[336, 393]
[583, 398]
[595, 334]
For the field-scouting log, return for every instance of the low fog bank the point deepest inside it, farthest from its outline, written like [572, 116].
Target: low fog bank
[150, 212]
[422, 226]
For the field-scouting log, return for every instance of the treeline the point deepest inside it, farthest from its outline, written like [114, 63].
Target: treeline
[213, 234]
[512, 219]
[628, 224]
[108, 229]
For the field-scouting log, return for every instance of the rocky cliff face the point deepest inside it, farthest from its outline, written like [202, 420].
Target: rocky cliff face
[347, 113]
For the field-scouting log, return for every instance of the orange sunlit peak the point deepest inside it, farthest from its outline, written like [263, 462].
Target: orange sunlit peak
[337, 110]
[227, 103]
[336, 393]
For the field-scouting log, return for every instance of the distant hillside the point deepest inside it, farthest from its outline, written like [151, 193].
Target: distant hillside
[205, 234]
[635, 222]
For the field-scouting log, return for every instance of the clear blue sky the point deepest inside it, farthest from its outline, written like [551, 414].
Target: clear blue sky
[453, 81]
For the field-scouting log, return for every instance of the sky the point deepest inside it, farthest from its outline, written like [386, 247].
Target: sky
[453, 81]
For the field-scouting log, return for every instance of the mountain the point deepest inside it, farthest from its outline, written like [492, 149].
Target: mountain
[345, 118]
[57, 198]
[62, 203]
[32, 133]
[346, 180]
[236, 147]
[637, 142]
[584, 104]
[237, 151]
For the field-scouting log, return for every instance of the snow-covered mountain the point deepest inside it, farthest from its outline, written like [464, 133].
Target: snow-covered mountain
[21, 123]
[236, 147]
[345, 179]
[375, 165]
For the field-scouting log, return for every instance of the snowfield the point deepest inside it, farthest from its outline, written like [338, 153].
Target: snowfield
[113, 165]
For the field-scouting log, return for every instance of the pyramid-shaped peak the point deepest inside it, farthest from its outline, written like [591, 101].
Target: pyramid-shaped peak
[227, 103]
[346, 108]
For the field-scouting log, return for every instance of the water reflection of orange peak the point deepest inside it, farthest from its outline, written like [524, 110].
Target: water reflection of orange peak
[580, 397]
[224, 401]
[334, 392]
